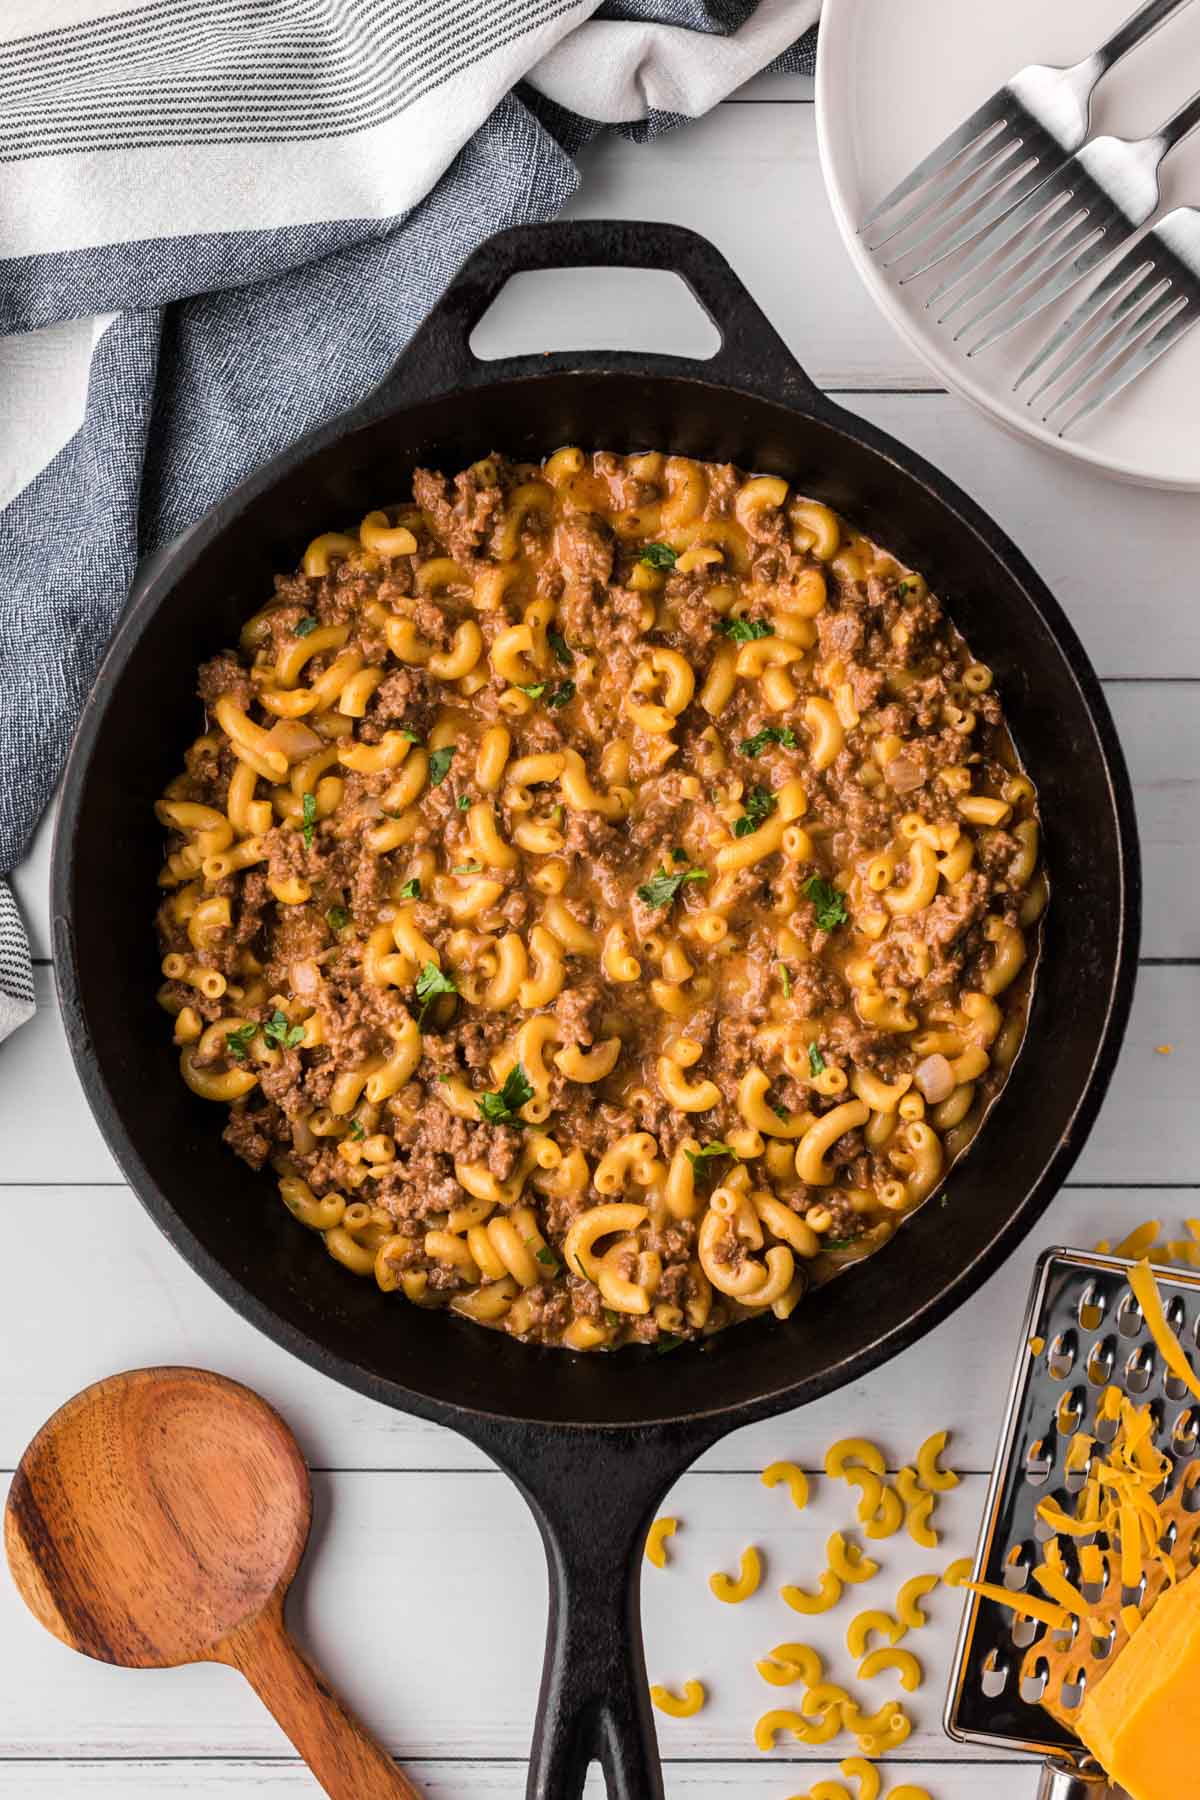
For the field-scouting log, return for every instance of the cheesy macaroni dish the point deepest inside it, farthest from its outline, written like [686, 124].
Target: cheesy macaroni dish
[601, 894]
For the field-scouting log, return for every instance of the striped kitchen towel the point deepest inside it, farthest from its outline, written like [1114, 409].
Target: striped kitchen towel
[220, 221]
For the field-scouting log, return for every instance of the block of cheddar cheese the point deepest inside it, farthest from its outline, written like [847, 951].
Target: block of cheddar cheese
[1142, 1721]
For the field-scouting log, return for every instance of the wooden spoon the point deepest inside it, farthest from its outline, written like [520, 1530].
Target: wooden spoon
[158, 1519]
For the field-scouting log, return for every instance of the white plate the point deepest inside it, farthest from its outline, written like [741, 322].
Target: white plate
[895, 76]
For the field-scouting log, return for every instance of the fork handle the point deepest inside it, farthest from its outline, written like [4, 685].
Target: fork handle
[1180, 124]
[1136, 29]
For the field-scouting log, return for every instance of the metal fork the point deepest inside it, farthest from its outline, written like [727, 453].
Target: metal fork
[1012, 142]
[1094, 204]
[1141, 309]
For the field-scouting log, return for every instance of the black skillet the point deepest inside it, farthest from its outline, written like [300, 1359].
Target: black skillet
[593, 1442]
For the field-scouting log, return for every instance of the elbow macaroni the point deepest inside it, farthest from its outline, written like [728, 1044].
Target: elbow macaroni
[513, 808]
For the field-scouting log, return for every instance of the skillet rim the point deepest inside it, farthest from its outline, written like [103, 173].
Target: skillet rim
[774, 1395]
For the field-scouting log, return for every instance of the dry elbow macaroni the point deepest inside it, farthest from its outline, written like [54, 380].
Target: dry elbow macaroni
[605, 894]
[826, 1709]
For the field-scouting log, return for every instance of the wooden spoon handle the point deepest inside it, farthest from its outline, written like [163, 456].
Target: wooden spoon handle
[346, 1760]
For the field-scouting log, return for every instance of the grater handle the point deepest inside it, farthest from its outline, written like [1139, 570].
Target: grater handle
[1065, 1780]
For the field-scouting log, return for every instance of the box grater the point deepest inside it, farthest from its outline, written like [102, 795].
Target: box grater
[1083, 1332]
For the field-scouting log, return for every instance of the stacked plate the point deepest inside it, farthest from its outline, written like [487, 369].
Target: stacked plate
[893, 80]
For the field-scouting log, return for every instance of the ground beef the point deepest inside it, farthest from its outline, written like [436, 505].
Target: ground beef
[464, 522]
[396, 697]
[224, 675]
[839, 633]
[247, 1135]
[583, 545]
[579, 1010]
[379, 913]
[723, 483]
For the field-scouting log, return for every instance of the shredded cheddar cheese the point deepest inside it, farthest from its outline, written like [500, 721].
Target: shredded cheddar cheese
[1123, 1528]
[1026, 1605]
[1139, 1240]
[1145, 1289]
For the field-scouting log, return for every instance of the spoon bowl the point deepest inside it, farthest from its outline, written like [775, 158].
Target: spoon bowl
[155, 1513]
[159, 1518]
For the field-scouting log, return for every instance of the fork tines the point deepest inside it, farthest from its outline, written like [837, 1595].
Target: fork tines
[1085, 211]
[1143, 306]
[993, 161]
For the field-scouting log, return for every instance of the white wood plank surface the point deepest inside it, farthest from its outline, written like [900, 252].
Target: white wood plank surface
[424, 1593]
[394, 1552]
[245, 1780]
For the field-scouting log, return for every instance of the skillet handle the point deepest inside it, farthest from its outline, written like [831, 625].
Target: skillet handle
[752, 355]
[594, 1494]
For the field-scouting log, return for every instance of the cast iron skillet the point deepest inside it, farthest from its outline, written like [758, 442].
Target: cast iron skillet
[593, 1442]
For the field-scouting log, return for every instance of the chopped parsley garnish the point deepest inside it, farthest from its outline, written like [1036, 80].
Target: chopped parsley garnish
[536, 691]
[667, 1340]
[662, 886]
[430, 983]
[546, 1255]
[563, 694]
[659, 556]
[439, 764]
[610, 1317]
[679, 855]
[303, 626]
[504, 1108]
[785, 980]
[471, 868]
[356, 1130]
[816, 1062]
[408, 732]
[309, 813]
[463, 802]
[281, 1033]
[411, 890]
[337, 918]
[696, 1157]
[781, 1112]
[829, 901]
[770, 734]
[903, 587]
[238, 1042]
[837, 1243]
[760, 804]
[744, 631]
[560, 647]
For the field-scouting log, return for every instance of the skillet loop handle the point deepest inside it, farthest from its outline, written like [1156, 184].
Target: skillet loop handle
[752, 355]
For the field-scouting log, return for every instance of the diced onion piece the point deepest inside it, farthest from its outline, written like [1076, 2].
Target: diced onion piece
[294, 738]
[935, 1078]
[306, 978]
[903, 774]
